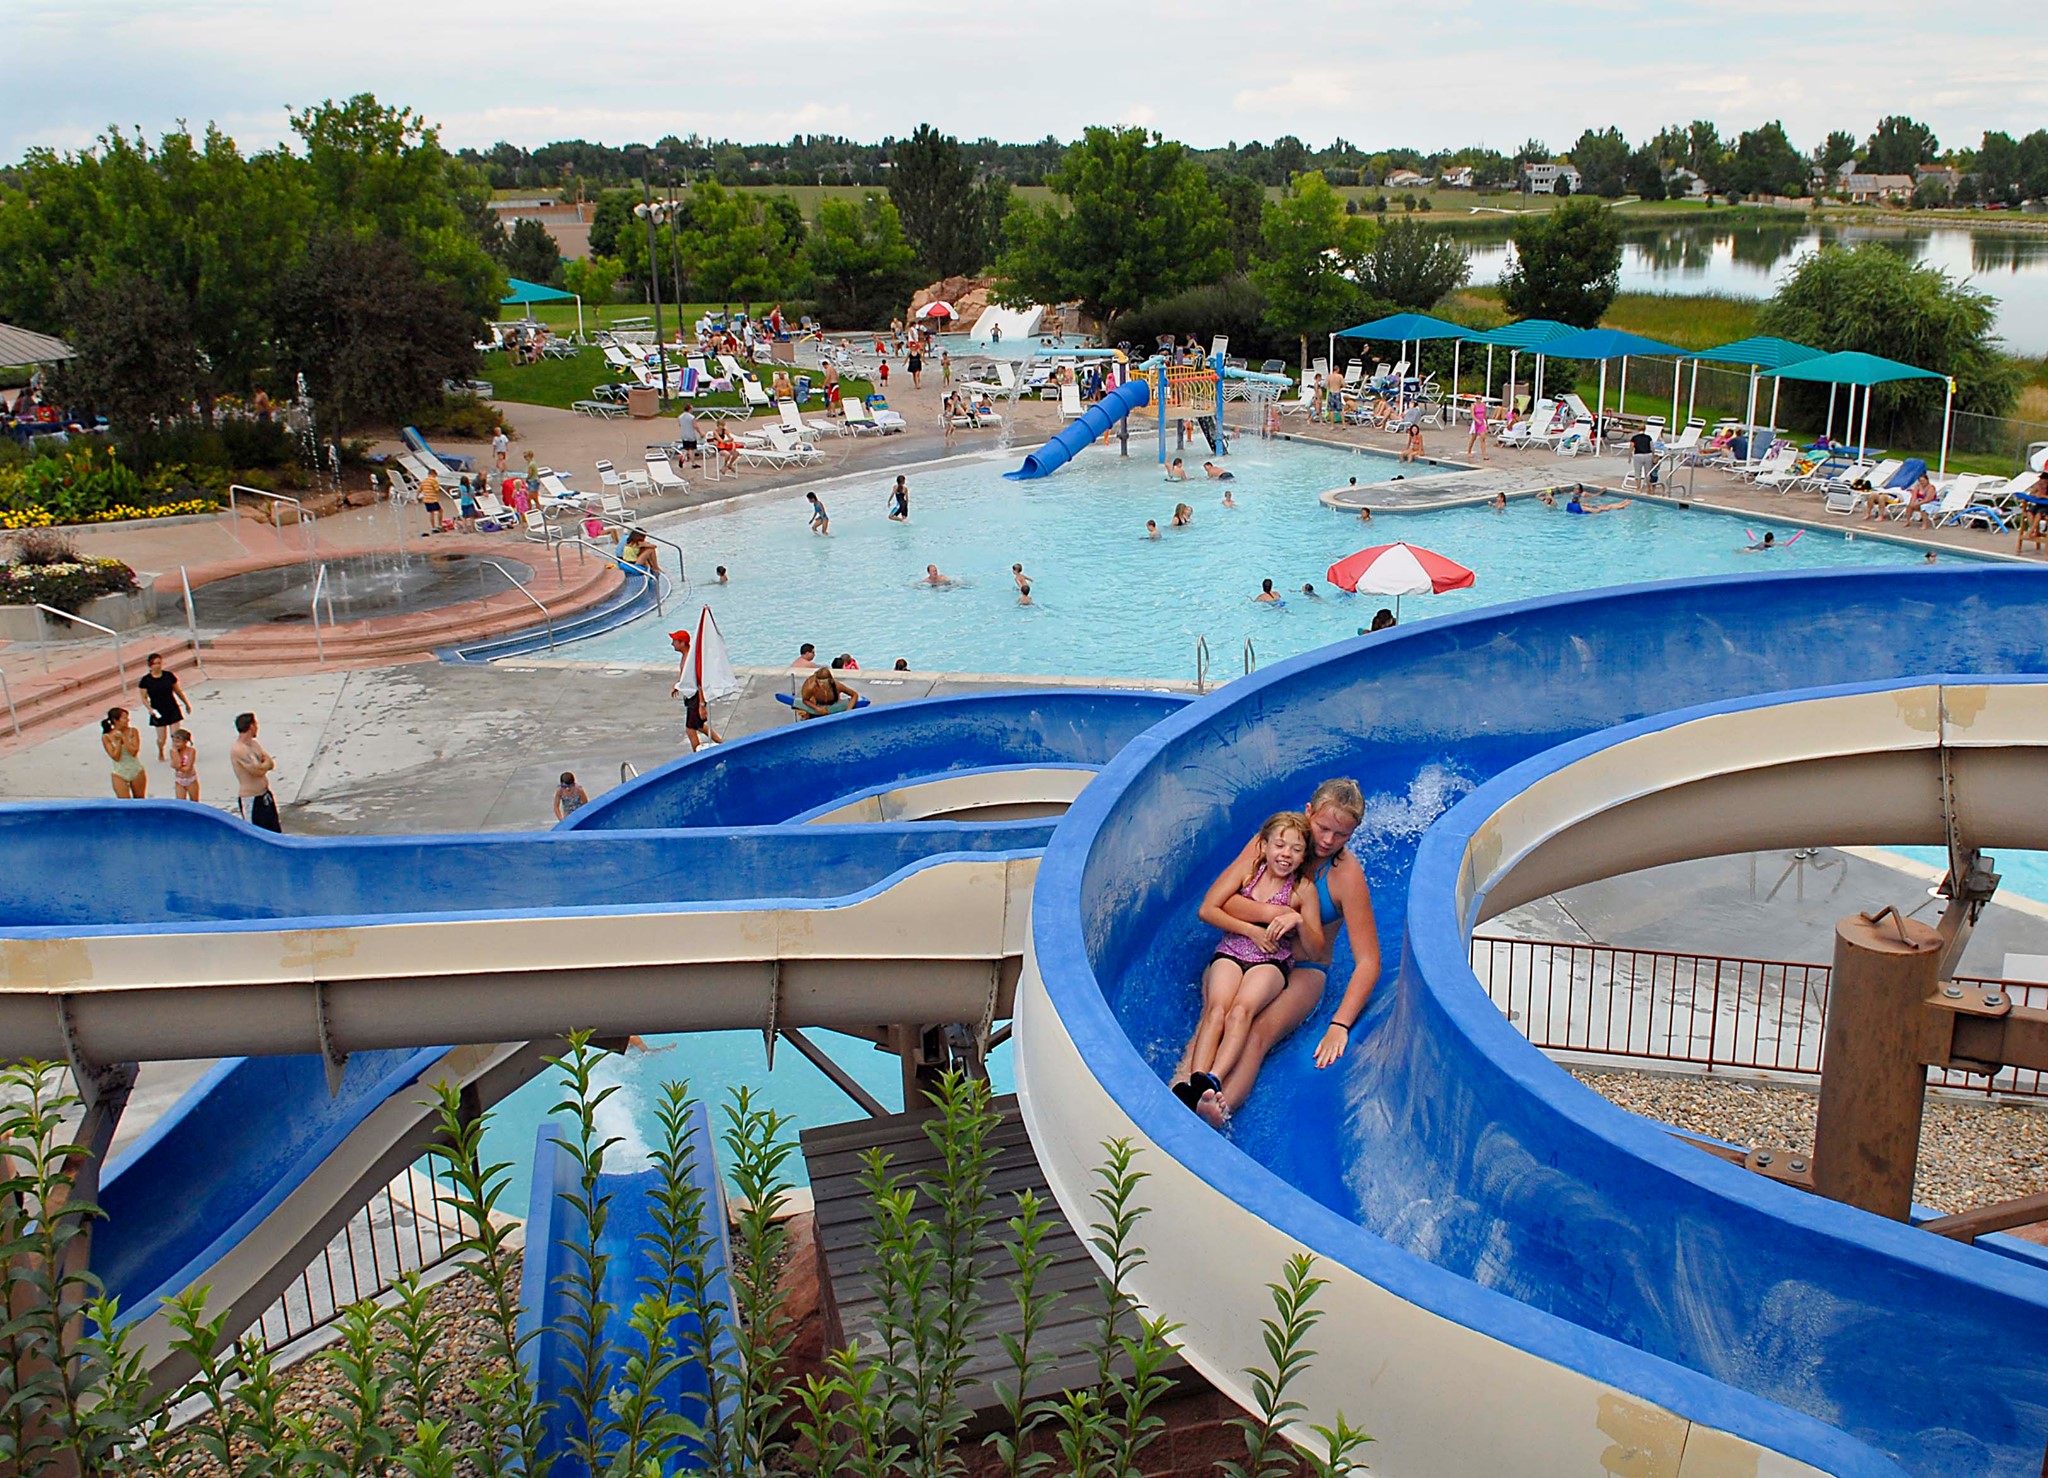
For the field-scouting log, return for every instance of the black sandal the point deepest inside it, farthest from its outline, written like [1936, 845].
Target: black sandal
[1190, 1092]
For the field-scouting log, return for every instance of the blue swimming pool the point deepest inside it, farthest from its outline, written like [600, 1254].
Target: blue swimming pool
[1108, 602]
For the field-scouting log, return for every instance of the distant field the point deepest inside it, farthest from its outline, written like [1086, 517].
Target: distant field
[1697, 321]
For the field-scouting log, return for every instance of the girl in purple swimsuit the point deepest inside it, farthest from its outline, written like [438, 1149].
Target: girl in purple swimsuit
[1250, 966]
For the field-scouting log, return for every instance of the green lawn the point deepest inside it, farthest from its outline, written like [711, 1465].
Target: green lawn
[1691, 321]
[563, 382]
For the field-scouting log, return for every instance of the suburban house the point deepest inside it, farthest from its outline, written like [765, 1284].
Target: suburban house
[1406, 179]
[1456, 179]
[1868, 189]
[1683, 184]
[1947, 174]
[1541, 179]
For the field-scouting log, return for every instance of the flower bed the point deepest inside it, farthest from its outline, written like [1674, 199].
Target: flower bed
[89, 484]
[47, 570]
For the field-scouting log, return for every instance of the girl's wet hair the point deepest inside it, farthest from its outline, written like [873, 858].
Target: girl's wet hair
[1281, 821]
[114, 716]
[1339, 794]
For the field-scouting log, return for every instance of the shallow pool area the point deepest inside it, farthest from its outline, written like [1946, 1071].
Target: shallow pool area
[1107, 601]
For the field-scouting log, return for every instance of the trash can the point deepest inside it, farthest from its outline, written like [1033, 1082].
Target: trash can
[642, 404]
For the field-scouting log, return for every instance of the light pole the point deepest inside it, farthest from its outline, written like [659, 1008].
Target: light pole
[653, 213]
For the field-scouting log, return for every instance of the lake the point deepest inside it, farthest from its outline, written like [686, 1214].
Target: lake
[1749, 261]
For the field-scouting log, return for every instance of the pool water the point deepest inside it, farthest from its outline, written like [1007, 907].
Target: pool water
[1108, 602]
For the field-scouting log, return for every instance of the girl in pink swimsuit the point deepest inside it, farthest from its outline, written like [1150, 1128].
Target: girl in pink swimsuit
[1250, 966]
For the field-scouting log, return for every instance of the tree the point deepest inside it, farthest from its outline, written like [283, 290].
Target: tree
[1765, 163]
[1998, 168]
[1566, 265]
[1244, 207]
[1413, 268]
[1136, 220]
[593, 279]
[740, 245]
[1930, 193]
[372, 333]
[138, 361]
[1646, 174]
[1704, 152]
[2034, 165]
[1873, 299]
[1898, 144]
[1309, 251]
[1602, 162]
[382, 170]
[1837, 150]
[943, 210]
[862, 265]
[533, 254]
[609, 221]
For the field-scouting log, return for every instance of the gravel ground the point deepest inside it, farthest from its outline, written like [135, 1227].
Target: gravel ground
[460, 1299]
[1971, 1154]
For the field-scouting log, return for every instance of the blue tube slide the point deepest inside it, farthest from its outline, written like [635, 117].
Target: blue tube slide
[553, 1225]
[1098, 420]
[1444, 1159]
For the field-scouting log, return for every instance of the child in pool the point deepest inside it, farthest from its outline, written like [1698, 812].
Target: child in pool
[1251, 962]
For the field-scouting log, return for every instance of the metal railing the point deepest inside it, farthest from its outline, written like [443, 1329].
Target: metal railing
[1251, 657]
[320, 586]
[120, 661]
[304, 520]
[408, 1226]
[1201, 664]
[8, 693]
[192, 621]
[1709, 1011]
[628, 771]
[546, 615]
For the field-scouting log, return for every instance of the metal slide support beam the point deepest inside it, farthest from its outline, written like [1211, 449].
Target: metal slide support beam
[844, 1081]
[1866, 1142]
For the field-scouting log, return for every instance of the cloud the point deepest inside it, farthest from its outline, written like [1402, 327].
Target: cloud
[1201, 70]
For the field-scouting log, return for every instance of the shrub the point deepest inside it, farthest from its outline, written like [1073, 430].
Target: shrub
[1234, 306]
[47, 569]
[461, 417]
[91, 484]
[256, 443]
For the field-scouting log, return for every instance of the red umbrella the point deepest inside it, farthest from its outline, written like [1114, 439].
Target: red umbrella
[1398, 570]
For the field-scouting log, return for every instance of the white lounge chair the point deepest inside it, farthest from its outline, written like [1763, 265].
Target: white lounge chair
[1577, 439]
[858, 417]
[628, 484]
[1959, 504]
[1537, 422]
[778, 449]
[1071, 408]
[662, 477]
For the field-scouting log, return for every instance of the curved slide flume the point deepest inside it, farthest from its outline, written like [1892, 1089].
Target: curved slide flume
[1098, 420]
[223, 939]
[1524, 1278]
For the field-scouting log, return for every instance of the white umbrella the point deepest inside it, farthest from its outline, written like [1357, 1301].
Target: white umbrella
[937, 308]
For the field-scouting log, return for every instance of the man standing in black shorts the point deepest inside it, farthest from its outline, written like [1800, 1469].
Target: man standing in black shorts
[254, 802]
[167, 701]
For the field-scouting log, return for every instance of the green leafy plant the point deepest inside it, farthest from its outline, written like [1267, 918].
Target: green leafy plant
[758, 1167]
[502, 1402]
[1267, 1454]
[588, 1311]
[1029, 1260]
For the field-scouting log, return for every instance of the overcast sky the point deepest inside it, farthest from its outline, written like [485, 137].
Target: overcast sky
[1443, 73]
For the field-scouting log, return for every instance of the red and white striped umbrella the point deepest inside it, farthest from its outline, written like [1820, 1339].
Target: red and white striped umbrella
[1397, 570]
[937, 308]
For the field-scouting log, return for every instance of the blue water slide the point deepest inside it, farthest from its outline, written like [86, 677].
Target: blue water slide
[255, 1130]
[1444, 1170]
[1098, 420]
[781, 774]
[553, 1226]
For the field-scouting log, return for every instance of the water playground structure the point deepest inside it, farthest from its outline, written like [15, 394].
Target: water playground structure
[1522, 1276]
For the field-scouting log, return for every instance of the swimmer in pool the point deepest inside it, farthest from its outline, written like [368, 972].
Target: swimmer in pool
[1228, 501]
[1500, 502]
[1217, 474]
[1183, 515]
[1310, 592]
[1152, 528]
[1578, 506]
[1175, 472]
[933, 578]
[1365, 515]
[1266, 595]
